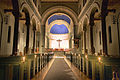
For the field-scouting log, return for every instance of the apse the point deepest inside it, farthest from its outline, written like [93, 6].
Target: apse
[59, 29]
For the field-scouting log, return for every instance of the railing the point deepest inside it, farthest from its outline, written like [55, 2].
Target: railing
[22, 67]
[96, 67]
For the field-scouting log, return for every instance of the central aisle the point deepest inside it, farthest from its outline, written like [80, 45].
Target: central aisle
[60, 71]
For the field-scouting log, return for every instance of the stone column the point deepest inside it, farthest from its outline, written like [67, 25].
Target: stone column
[104, 13]
[16, 25]
[42, 38]
[80, 62]
[27, 37]
[84, 39]
[34, 39]
[38, 41]
[91, 39]
[47, 42]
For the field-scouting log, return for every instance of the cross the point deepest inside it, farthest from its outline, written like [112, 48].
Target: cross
[59, 42]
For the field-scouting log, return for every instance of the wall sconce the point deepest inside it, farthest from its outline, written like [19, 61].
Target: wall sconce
[86, 56]
[75, 54]
[40, 54]
[99, 59]
[72, 53]
[23, 59]
[35, 56]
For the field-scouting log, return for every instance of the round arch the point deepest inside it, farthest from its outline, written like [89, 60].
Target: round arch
[25, 14]
[94, 14]
[85, 21]
[95, 6]
[60, 9]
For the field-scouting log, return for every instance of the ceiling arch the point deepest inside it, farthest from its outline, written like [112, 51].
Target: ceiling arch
[59, 17]
[59, 9]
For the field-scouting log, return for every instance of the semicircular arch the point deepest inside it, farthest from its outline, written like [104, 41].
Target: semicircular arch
[61, 9]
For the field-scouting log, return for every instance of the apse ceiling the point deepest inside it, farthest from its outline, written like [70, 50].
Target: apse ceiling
[59, 23]
[59, 29]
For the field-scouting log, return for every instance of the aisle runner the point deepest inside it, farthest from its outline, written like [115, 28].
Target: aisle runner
[60, 71]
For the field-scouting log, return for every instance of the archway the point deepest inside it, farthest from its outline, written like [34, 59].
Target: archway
[26, 17]
[86, 35]
[64, 10]
[92, 27]
[58, 30]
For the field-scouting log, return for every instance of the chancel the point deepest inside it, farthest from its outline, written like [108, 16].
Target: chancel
[59, 39]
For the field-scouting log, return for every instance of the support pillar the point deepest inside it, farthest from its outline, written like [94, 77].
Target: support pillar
[47, 42]
[83, 64]
[80, 62]
[34, 39]
[16, 25]
[42, 38]
[84, 39]
[91, 39]
[27, 37]
[103, 21]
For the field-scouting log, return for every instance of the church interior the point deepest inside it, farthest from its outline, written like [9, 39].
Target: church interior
[59, 39]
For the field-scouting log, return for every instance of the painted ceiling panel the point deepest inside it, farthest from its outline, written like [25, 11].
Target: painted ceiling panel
[59, 29]
[59, 17]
